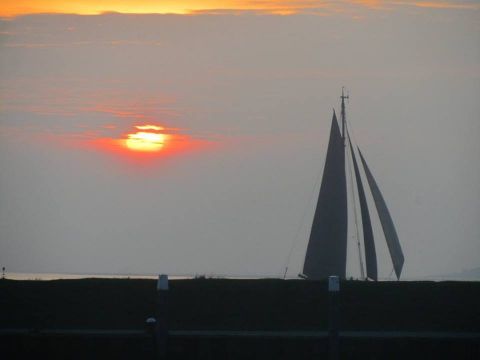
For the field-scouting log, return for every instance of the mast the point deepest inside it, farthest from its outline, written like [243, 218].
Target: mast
[344, 136]
[352, 186]
[370, 253]
[343, 115]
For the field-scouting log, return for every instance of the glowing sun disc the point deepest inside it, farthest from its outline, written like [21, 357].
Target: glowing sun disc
[145, 141]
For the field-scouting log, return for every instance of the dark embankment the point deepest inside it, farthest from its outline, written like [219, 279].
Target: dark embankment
[217, 304]
[240, 304]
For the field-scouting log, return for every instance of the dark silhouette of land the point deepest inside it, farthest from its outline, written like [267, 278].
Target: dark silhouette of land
[240, 304]
[252, 305]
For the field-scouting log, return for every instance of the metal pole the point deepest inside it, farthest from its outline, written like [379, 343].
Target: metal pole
[161, 325]
[333, 339]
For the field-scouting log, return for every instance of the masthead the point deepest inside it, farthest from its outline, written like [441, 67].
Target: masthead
[343, 97]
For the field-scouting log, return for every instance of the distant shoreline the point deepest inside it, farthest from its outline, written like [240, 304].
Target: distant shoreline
[66, 276]
[74, 276]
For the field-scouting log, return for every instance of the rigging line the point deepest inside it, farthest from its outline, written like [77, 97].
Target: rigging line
[350, 171]
[302, 222]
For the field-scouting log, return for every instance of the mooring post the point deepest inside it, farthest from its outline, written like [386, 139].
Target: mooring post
[161, 325]
[333, 312]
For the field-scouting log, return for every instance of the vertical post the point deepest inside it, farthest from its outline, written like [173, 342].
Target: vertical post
[343, 115]
[333, 339]
[161, 325]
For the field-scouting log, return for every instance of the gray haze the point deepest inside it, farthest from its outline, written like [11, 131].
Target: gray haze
[260, 91]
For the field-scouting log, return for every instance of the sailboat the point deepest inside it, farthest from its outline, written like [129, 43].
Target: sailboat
[327, 247]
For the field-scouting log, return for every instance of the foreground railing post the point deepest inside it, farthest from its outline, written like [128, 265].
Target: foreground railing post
[333, 340]
[161, 325]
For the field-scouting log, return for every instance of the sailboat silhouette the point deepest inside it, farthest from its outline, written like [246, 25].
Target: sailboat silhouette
[327, 247]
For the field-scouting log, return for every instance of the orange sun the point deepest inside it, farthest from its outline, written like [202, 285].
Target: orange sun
[149, 139]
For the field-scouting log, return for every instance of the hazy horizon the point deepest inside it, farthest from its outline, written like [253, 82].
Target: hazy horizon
[245, 102]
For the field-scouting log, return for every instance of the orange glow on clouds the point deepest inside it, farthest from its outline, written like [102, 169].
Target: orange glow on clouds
[91, 7]
[275, 7]
[149, 127]
[447, 5]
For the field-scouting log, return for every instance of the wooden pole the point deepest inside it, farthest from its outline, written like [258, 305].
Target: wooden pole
[161, 325]
[333, 312]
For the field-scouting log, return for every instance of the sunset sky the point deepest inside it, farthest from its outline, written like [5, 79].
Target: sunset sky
[277, 7]
[189, 136]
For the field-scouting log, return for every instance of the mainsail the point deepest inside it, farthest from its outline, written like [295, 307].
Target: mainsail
[386, 220]
[327, 248]
[370, 253]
